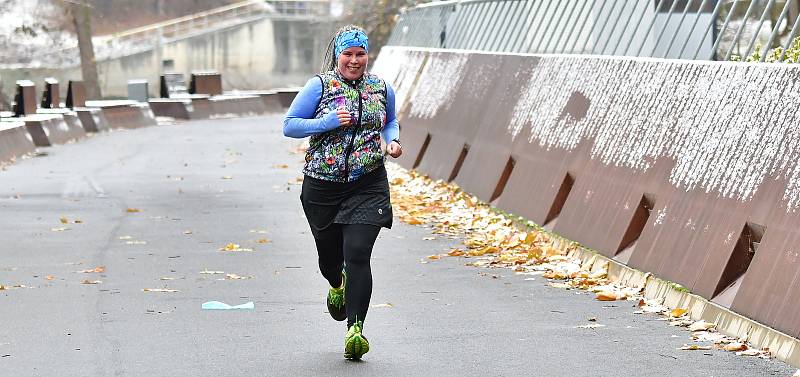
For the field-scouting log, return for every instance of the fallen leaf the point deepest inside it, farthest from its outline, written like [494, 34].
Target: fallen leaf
[98, 269]
[133, 210]
[433, 257]
[675, 313]
[263, 240]
[694, 347]
[160, 290]
[701, 325]
[606, 296]
[233, 247]
[280, 166]
[64, 220]
[49, 277]
[736, 346]
[87, 281]
[456, 253]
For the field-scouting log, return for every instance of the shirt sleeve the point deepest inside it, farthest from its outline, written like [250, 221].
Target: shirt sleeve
[299, 121]
[391, 130]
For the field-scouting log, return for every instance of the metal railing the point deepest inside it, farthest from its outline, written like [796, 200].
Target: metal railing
[752, 30]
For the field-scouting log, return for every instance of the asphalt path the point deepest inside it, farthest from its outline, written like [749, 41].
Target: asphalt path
[201, 185]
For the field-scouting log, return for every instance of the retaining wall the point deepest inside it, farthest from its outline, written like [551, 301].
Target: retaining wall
[690, 170]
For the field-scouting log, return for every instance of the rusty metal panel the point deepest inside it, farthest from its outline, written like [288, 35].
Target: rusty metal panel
[76, 94]
[205, 82]
[668, 166]
[490, 154]
[51, 97]
[25, 98]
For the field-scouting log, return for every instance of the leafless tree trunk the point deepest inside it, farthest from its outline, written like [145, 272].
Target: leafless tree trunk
[4, 103]
[83, 28]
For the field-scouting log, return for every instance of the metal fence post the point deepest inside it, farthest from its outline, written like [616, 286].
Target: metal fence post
[758, 29]
[594, 24]
[678, 28]
[741, 28]
[580, 31]
[462, 13]
[628, 22]
[513, 22]
[663, 28]
[538, 26]
[722, 30]
[516, 46]
[507, 10]
[694, 24]
[713, 21]
[644, 38]
[603, 28]
[791, 37]
[775, 31]
[563, 28]
[492, 29]
[559, 13]
[572, 30]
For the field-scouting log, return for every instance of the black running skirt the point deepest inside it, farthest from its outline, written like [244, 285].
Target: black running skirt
[363, 201]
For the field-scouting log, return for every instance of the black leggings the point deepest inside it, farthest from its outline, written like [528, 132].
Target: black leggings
[351, 245]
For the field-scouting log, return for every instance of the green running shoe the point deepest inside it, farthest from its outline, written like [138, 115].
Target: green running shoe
[335, 300]
[355, 344]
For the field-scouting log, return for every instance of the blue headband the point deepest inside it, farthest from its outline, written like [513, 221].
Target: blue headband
[351, 38]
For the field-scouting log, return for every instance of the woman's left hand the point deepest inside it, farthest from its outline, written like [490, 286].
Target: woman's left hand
[394, 149]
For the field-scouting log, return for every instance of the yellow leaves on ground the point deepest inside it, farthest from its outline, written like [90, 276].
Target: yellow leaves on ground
[495, 240]
[64, 220]
[677, 312]
[49, 277]
[133, 210]
[606, 296]
[263, 240]
[233, 247]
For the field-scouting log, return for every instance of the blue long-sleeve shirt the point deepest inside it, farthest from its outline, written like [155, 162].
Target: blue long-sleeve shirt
[299, 121]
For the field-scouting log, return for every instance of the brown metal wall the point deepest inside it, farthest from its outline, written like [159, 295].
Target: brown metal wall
[688, 210]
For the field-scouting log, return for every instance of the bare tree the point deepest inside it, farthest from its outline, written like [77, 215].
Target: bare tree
[81, 15]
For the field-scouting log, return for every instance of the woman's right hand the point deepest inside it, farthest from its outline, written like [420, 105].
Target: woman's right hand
[344, 117]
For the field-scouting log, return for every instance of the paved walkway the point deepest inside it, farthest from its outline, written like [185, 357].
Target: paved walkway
[202, 185]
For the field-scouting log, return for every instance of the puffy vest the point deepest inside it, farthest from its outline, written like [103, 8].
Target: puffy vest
[346, 153]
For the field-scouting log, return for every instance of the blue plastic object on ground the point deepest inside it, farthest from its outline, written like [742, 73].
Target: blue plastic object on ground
[216, 305]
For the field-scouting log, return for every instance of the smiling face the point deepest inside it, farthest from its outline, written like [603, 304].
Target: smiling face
[352, 62]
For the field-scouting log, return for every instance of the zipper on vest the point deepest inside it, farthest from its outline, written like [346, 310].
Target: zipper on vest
[352, 139]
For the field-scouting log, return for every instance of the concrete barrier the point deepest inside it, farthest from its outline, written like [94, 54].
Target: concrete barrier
[125, 114]
[286, 95]
[15, 141]
[171, 107]
[237, 105]
[689, 170]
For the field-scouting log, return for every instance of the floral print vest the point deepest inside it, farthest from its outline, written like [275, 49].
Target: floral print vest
[346, 153]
